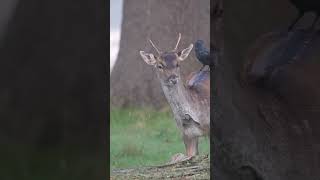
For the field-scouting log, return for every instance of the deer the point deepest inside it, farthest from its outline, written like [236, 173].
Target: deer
[189, 102]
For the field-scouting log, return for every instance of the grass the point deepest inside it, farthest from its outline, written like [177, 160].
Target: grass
[141, 137]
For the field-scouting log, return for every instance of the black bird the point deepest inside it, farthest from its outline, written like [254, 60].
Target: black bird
[203, 54]
[304, 6]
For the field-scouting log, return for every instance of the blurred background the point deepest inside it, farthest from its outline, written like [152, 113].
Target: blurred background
[53, 113]
[143, 131]
[115, 29]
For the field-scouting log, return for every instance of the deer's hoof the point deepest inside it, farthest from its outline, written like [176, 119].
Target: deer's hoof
[179, 158]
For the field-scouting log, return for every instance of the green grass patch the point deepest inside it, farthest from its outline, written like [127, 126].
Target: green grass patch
[142, 137]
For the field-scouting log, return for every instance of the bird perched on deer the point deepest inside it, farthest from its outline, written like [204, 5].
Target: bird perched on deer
[203, 54]
[304, 6]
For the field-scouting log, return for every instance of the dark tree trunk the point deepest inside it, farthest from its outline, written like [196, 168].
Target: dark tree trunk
[132, 81]
[52, 84]
[256, 134]
[7, 9]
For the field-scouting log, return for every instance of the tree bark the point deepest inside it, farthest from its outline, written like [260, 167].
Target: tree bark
[52, 74]
[6, 12]
[256, 134]
[133, 83]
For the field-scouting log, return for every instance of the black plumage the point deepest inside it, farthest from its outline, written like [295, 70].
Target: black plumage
[304, 6]
[203, 54]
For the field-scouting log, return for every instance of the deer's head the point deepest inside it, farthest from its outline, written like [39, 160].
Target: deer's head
[167, 64]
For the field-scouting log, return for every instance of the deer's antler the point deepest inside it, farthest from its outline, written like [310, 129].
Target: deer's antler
[175, 48]
[154, 46]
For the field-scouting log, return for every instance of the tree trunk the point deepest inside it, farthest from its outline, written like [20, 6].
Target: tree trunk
[52, 90]
[256, 134]
[132, 81]
[6, 12]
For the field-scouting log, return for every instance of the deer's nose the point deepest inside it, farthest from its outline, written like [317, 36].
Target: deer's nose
[173, 79]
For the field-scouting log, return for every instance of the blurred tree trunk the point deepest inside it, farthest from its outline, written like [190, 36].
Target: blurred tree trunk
[52, 90]
[256, 135]
[6, 12]
[133, 82]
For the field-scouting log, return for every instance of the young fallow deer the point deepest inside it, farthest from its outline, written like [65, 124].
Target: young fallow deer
[189, 102]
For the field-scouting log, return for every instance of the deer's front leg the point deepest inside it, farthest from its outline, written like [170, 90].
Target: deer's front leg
[189, 135]
[191, 144]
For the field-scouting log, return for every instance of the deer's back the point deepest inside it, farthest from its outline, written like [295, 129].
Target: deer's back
[199, 83]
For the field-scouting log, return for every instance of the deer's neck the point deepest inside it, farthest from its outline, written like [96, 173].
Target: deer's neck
[178, 98]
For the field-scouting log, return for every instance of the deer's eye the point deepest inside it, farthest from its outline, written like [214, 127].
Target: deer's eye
[160, 66]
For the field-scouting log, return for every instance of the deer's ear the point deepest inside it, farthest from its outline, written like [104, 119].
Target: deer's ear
[148, 58]
[185, 53]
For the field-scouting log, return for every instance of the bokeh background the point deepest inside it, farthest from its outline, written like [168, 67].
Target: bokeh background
[143, 131]
[52, 95]
[115, 29]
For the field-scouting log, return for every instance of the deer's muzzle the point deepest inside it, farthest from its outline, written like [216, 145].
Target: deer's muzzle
[173, 79]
